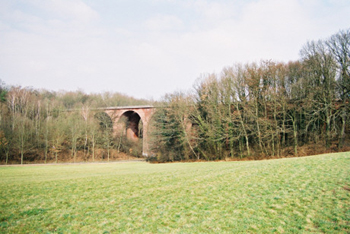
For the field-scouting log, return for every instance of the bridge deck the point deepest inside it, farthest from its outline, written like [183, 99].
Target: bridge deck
[125, 107]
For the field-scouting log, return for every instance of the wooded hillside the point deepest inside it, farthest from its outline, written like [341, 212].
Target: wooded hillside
[255, 110]
[40, 125]
[265, 109]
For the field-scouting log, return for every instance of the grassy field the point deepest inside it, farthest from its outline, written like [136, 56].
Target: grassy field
[287, 195]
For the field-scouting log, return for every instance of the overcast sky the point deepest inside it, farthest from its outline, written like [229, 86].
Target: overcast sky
[147, 48]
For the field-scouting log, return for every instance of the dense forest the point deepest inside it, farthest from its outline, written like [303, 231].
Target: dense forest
[261, 110]
[248, 111]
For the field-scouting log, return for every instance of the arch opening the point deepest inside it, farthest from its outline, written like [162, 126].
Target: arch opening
[130, 133]
[132, 126]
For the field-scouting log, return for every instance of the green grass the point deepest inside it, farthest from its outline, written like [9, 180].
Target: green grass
[286, 195]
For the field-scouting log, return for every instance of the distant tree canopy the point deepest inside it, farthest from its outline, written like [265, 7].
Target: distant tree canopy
[262, 109]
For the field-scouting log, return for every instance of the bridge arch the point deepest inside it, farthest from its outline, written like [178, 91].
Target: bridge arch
[134, 116]
[131, 123]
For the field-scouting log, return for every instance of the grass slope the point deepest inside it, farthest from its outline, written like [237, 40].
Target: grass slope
[287, 195]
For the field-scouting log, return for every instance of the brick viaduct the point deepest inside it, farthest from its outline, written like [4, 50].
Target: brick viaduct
[132, 115]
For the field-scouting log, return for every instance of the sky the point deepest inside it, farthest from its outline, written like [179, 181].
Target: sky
[148, 48]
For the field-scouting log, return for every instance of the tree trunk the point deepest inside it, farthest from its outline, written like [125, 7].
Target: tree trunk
[295, 135]
[246, 137]
[7, 157]
[93, 147]
[258, 126]
[342, 131]
[328, 129]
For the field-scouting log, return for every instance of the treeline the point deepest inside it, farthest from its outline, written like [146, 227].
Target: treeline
[266, 109]
[42, 126]
[256, 110]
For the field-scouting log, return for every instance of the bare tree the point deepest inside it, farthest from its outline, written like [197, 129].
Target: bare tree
[339, 45]
[85, 112]
[59, 133]
[106, 130]
[321, 80]
[75, 129]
